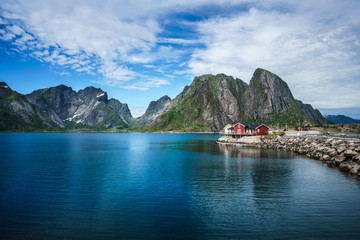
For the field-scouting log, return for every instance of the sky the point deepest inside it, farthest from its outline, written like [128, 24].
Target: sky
[140, 50]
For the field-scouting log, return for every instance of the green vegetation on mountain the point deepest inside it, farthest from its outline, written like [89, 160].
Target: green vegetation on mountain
[211, 102]
[207, 105]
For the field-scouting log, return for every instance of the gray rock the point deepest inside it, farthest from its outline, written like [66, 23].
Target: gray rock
[350, 153]
[155, 109]
[355, 169]
[212, 101]
[333, 153]
[341, 149]
[89, 106]
[344, 166]
[356, 158]
[17, 113]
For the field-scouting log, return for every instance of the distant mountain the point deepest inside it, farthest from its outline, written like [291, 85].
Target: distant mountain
[155, 109]
[17, 113]
[208, 104]
[341, 119]
[59, 108]
[89, 108]
[211, 102]
[353, 112]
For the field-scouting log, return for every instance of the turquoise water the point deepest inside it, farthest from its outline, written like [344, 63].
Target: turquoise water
[167, 186]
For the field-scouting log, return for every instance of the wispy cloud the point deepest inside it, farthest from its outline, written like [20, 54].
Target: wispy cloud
[136, 85]
[316, 50]
[313, 45]
[90, 36]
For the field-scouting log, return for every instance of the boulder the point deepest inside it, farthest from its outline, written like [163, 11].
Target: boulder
[249, 140]
[355, 169]
[356, 158]
[344, 166]
[339, 160]
[326, 158]
[350, 153]
[333, 153]
[222, 139]
[341, 149]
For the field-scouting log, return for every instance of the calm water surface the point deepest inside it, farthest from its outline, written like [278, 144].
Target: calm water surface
[167, 186]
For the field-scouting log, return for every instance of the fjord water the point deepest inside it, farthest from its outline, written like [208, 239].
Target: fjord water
[167, 186]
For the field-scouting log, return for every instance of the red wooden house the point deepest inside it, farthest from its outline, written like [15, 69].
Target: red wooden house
[251, 129]
[262, 129]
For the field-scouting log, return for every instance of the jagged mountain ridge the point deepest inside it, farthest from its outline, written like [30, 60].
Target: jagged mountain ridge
[202, 104]
[61, 107]
[155, 109]
[210, 102]
[89, 106]
[17, 113]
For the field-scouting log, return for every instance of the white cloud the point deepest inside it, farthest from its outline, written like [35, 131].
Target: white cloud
[179, 41]
[136, 85]
[7, 36]
[137, 111]
[313, 45]
[103, 33]
[315, 50]
[15, 29]
[111, 33]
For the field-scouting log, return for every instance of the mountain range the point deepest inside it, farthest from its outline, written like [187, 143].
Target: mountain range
[208, 104]
[212, 101]
[341, 119]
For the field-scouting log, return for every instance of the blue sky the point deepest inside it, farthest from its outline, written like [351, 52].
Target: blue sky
[140, 50]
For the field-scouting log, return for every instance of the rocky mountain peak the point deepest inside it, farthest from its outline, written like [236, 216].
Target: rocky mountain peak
[4, 85]
[5, 90]
[263, 79]
[155, 109]
[93, 93]
[89, 106]
[267, 94]
[212, 101]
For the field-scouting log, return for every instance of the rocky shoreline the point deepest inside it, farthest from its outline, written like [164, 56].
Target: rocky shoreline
[335, 152]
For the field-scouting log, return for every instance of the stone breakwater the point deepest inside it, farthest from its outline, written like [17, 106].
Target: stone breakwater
[250, 140]
[335, 152]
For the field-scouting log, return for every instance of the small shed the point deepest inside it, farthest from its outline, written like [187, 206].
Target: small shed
[227, 129]
[262, 129]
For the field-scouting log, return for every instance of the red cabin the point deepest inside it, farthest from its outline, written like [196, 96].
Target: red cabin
[251, 129]
[262, 129]
[239, 128]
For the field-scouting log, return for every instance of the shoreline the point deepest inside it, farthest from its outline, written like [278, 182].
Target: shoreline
[341, 153]
[170, 132]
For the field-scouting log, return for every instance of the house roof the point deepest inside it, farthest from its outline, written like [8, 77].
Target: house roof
[262, 125]
[252, 125]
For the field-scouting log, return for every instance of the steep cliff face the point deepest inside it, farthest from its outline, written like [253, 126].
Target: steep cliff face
[208, 104]
[89, 107]
[211, 102]
[17, 113]
[205, 105]
[155, 109]
[267, 94]
[269, 100]
[313, 114]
